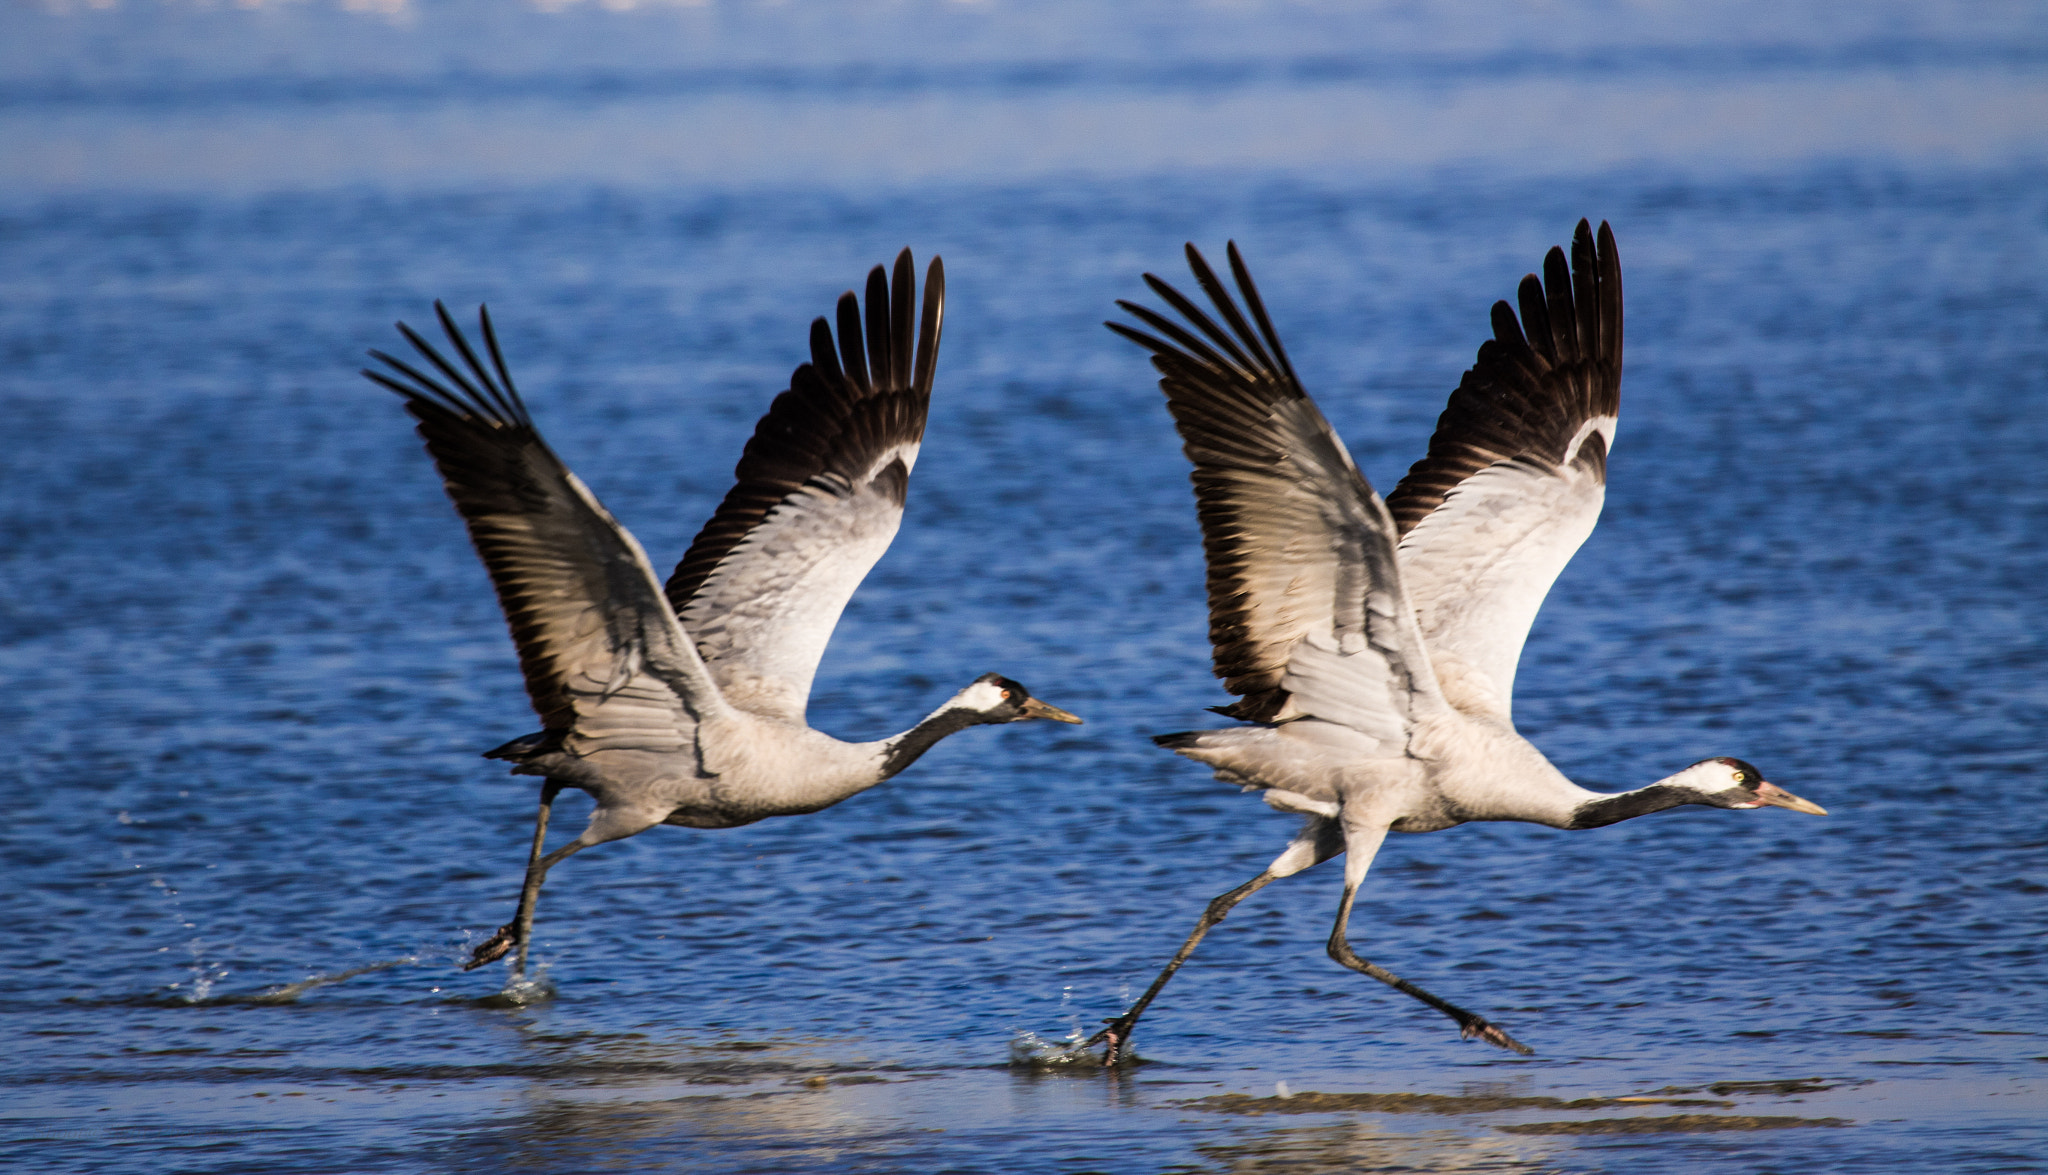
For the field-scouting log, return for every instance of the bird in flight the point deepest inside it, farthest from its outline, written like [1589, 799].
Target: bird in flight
[1372, 643]
[684, 703]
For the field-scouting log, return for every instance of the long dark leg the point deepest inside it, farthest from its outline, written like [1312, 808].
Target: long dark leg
[1119, 1028]
[1318, 841]
[493, 948]
[531, 895]
[1469, 1025]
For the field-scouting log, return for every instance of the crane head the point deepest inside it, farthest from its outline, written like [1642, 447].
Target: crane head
[1731, 783]
[995, 698]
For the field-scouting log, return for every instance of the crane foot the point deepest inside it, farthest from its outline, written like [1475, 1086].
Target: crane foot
[1493, 1034]
[1116, 1039]
[491, 949]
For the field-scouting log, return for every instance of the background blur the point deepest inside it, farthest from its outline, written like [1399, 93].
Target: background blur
[249, 658]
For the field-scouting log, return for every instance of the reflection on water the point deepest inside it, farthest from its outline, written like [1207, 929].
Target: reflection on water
[633, 1103]
[1342, 1148]
[805, 1127]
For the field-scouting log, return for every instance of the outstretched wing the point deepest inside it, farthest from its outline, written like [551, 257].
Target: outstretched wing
[1516, 473]
[604, 661]
[1307, 613]
[818, 498]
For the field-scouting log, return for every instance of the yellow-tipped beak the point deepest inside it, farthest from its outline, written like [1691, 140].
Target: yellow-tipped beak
[1778, 797]
[1033, 708]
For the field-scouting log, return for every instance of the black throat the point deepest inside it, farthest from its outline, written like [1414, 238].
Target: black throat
[913, 743]
[1630, 804]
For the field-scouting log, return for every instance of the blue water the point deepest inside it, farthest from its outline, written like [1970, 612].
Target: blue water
[249, 658]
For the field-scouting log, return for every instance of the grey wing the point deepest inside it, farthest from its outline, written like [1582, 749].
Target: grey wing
[1516, 473]
[605, 664]
[818, 497]
[1307, 612]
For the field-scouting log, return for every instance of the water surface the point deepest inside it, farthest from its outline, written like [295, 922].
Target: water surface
[251, 660]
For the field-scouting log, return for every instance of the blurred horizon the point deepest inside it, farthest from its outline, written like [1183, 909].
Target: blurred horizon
[255, 97]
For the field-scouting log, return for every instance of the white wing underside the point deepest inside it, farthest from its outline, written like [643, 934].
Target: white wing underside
[1354, 690]
[630, 673]
[1363, 665]
[1479, 566]
[762, 619]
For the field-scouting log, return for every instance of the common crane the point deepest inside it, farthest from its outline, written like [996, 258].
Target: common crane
[685, 704]
[1372, 644]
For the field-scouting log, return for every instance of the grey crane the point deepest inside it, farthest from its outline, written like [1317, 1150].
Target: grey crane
[1372, 644]
[685, 704]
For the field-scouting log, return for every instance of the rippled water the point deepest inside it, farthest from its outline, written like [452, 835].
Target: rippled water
[250, 659]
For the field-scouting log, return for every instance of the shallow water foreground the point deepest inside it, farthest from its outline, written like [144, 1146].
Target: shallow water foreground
[249, 660]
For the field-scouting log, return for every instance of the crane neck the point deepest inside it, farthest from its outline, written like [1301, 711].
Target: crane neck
[1604, 810]
[908, 747]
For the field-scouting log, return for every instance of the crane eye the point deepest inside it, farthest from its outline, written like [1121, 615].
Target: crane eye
[1007, 695]
[1739, 777]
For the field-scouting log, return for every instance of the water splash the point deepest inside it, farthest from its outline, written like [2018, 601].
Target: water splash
[285, 993]
[289, 992]
[523, 991]
[203, 974]
[1028, 1050]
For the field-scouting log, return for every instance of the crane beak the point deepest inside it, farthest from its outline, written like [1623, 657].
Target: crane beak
[1033, 708]
[1778, 797]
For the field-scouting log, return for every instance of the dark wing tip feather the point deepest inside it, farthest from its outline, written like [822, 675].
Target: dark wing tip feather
[1226, 305]
[420, 390]
[494, 465]
[462, 348]
[1243, 347]
[1223, 378]
[1201, 321]
[1507, 331]
[902, 289]
[1257, 306]
[1608, 260]
[932, 320]
[1536, 317]
[1558, 297]
[851, 404]
[852, 349]
[1156, 346]
[483, 316]
[1184, 349]
[472, 395]
[1536, 382]
[1585, 280]
[824, 356]
[881, 331]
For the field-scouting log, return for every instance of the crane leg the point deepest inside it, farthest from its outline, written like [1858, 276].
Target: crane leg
[606, 824]
[530, 896]
[1318, 842]
[1118, 1029]
[1469, 1025]
[515, 932]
